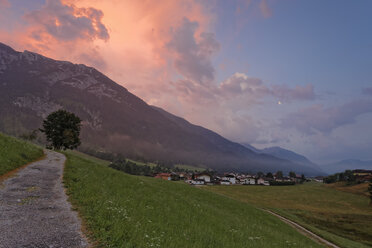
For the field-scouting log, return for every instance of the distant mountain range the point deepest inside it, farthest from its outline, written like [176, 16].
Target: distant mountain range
[331, 168]
[114, 120]
[284, 154]
[347, 164]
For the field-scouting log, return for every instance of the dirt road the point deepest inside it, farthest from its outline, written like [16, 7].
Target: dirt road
[34, 211]
[304, 230]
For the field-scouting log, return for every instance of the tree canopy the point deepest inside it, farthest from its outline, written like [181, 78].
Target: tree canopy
[62, 130]
[292, 174]
[279, 174]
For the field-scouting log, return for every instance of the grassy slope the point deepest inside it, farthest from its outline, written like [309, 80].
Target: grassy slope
[121, 210]
[360, 189]
[15, 153]
[344, 218]
[190, 167]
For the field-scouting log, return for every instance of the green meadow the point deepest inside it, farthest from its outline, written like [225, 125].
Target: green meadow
[15, 153]
[341, 217]
[121, 210]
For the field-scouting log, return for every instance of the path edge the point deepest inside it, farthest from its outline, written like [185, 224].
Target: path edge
[86, 233]
[14, 172]
[317, 238]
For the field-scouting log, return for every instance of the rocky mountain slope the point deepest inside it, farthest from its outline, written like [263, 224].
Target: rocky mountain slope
[114, 120]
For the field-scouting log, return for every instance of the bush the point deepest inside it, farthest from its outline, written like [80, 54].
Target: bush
[276, 183]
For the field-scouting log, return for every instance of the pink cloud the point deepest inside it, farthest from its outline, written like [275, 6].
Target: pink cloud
[193, 54]
[4, 4]
[265, 9]
[161, 52]
[67, 22]
[241, 84]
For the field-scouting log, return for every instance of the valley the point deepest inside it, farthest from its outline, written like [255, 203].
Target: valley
[122, 210]
[185, 124]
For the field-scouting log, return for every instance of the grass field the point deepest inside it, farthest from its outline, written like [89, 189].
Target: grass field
[341, 217]
[359, 189]
[120, 210]
[14, 153]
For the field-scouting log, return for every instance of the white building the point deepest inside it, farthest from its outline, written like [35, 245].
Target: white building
[231, 178]
[197, 182]
[262, 181]
[250, 181]
[204, 176]
[225, 182]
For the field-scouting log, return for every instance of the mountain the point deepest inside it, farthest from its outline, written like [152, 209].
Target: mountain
[282, 153]
[287, 154]
[347, 164]
[252, 148]
[113, 119]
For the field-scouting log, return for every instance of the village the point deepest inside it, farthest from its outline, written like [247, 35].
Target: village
[210, 177]
[206, 178]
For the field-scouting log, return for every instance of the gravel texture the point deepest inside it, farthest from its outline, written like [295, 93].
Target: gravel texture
[34, 211]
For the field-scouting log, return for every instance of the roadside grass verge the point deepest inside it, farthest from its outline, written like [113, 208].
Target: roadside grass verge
[340, 217]
[15, 153]
[121, 210]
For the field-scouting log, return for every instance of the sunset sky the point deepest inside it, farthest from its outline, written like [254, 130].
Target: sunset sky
[289, 73]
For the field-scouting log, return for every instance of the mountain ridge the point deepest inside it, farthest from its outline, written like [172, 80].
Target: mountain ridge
[114, 120]
[283, 153]
[347, 164]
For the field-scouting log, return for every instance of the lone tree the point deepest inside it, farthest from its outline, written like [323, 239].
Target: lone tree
[370, 191]
[62, 130]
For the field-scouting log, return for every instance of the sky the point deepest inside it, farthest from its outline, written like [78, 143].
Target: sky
[290, 73]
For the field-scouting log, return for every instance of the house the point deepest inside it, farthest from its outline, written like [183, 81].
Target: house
[182, 176]
[230, 177]
[318, 179]
[164, 176]
[263, 181]
[225, 182]
[297, 179]
[240, 179]
[197, 182]
[283, 179]
[362, 172]
[363, 176]
[249, 181]
[216, 180]
[175, 176]
[203, 176]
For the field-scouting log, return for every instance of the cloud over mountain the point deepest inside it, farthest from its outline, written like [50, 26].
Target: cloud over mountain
[67, 22]
[318, 118]
[193, 54]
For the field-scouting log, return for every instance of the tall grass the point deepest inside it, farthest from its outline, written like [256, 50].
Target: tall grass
[15, 153]
[121, 210]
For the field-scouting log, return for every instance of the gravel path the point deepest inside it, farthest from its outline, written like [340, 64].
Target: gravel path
[304, 230]
[34, 211]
